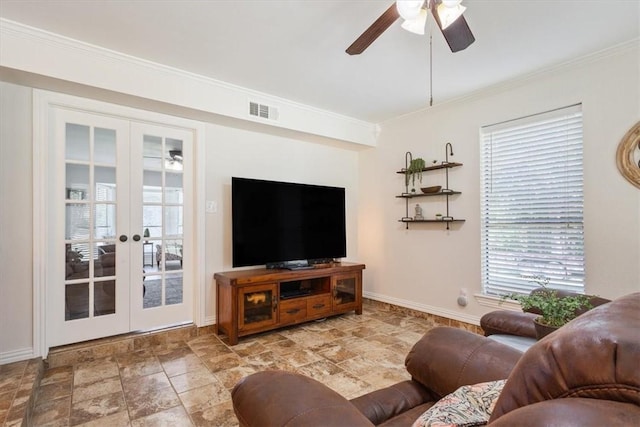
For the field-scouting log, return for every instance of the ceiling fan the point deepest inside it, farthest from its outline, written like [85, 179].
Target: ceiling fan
[174, 160]
[447, 14]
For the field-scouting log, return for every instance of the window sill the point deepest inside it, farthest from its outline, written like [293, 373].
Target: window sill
[497, 303]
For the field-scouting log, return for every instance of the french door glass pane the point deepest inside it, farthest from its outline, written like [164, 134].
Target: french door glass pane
[77, 181]
[105, 221]
[77, 221]
[173, 192]
[153, 156]
[152, 219]
[152, 291]
[104, 296]
[173, 289]
[76, 301]
[105, 184]
[105, 146]
[77, 142]
[173, 220]
[76, 261]
[104, 260]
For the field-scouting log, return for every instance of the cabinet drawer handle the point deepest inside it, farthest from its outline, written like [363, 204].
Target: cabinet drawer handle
[317, 306]
[293, 311]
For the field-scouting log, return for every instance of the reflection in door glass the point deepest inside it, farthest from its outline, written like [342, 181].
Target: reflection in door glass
[173, 189]
[173, 220]
[169, 255]
[152, 187]
[152, 292]
[76, 142]
[105, 220]
[76, 298]
[153, 157]
[104, 298]
[77, 221]
[105, 146]
[105, 179]
[104, 261]
[173, 289]
[76, 182]
[76, 261]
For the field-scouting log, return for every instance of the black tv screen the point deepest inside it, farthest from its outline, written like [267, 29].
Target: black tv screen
[277, 222]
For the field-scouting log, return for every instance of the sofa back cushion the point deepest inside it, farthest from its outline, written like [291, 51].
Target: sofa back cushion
[447, 358]
[594, 356]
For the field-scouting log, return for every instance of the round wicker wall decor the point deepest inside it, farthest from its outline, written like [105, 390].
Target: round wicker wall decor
[628, 155]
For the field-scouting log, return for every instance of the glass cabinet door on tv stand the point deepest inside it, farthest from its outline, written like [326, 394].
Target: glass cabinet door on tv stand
[345, 291]
[257, 306]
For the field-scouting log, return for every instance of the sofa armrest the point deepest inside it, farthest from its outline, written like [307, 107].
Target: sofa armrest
[381, 405]
[505, 322]
[571, 412]
[278, 398]
[447, 358]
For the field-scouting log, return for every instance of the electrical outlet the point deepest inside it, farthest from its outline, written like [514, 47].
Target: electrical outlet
[211, 206]
[462, 298]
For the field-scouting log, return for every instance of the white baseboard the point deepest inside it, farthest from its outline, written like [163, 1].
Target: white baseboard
[473, 320]
[17, 355]
[209, 320]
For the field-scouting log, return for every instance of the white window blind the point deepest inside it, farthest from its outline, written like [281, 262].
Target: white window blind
[532, 203]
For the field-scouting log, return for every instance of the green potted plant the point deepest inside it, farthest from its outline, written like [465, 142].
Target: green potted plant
[555, 310]
[415, 168]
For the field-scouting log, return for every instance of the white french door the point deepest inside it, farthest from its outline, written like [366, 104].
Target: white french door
[119, 204]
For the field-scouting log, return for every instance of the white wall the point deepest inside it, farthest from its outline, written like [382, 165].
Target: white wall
[16, 234]
[425, 267]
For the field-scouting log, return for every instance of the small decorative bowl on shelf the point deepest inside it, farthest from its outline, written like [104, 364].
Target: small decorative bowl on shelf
[432, 189]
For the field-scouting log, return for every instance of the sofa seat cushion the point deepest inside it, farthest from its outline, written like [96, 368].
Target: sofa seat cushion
[470, 405]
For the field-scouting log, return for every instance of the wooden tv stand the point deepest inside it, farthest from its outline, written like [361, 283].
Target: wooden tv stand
[252, 301]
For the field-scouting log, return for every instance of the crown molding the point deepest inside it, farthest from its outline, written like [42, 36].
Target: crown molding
[294, 115]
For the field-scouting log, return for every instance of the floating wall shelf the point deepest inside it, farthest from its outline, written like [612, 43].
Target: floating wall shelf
[446, 192]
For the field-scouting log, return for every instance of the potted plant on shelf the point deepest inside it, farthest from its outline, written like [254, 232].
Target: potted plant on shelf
[414, 170]
[555, 310]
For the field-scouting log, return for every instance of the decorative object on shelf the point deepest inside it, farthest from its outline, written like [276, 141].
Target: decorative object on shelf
[146, 234]
[438, 217]
[418, 216]
[628, 155]
[555, 310]
[432, 189]
[413, 168]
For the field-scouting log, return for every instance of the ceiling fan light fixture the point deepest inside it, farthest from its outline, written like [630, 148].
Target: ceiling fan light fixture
[417, 24]
[176, 155]
[409, 9]
[449, 14]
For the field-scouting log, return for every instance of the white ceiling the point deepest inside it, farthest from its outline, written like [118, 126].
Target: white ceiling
[295, 49]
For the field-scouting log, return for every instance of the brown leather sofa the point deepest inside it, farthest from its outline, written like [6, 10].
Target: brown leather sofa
[585, 374]
[520, 323]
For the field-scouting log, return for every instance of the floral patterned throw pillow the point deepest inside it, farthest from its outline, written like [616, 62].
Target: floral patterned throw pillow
[468, 406]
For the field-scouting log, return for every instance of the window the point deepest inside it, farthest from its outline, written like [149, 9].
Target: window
[532, 203]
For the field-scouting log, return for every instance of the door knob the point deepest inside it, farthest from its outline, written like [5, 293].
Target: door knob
[123, 238]
[136, 237]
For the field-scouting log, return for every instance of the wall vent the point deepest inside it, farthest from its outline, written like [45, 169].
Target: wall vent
[263, 111]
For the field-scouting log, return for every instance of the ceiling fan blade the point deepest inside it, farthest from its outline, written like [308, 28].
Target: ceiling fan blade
[373, 32]
[458, 35]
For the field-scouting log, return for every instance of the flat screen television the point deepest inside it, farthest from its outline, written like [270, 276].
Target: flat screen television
[286, 225]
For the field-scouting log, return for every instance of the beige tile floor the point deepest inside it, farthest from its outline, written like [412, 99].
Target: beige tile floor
[189, 382]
